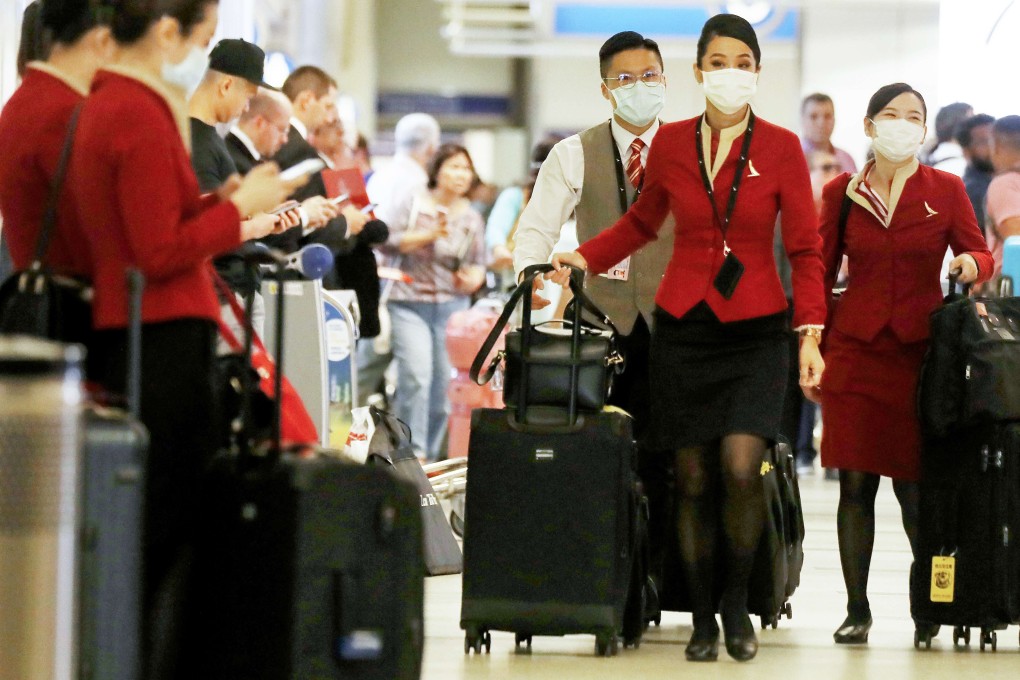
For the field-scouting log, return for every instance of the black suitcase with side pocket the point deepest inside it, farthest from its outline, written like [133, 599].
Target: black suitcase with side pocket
[780, 555]
[556, 543]
[307, 568]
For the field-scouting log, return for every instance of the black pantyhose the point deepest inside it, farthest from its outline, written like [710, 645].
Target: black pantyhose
[716, 484]
[855, 528]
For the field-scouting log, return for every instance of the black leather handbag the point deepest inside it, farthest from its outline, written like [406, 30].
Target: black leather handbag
[37, 302]
[569, 368]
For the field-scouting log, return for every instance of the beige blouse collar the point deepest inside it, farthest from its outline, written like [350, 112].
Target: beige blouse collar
[899, 181]
[174, 97]
[65, 78]
[726, 137]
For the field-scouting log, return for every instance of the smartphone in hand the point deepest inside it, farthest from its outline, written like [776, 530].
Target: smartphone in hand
[284, 207]
[303, 168]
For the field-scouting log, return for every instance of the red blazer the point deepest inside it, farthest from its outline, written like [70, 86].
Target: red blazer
[33, 127]
[138, 200]
[894, 271]
[775, 181]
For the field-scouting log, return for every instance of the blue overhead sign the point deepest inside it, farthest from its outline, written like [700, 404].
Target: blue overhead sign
[581, 19]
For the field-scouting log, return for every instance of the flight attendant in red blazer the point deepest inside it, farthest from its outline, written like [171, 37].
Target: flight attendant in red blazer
[902, 217]
[33, 127]
[136, 195]
[719, 352]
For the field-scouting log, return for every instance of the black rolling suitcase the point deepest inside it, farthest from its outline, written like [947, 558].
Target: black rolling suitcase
[114, 448]
[556, 543]
[780, 555]
[967, 573]
[307, 568]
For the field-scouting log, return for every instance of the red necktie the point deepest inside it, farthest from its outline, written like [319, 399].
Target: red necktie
[635, 171]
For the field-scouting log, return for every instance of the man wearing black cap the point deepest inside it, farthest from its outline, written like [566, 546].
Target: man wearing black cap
[233, 78]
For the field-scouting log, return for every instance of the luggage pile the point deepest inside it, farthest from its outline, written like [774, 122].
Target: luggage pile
[967, 573]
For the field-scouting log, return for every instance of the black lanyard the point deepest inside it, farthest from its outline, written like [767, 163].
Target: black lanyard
[621, 180]
[724, 223]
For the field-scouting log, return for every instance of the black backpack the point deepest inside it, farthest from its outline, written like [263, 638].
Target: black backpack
[971, 372]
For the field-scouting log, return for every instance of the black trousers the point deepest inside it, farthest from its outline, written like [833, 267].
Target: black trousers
[632, 392]
[178, 409]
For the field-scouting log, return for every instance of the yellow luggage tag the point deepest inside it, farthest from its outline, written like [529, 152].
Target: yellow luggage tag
[943, 578]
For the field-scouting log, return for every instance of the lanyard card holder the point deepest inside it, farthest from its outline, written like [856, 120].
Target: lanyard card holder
[732, 268]
[729, 275]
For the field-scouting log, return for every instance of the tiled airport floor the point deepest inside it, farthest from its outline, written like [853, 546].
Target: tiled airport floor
[800, 648]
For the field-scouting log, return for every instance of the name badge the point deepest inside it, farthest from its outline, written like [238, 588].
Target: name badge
[619, 271]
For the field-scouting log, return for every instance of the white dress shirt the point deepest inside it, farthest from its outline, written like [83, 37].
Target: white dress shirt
[248, 144]
[393, 185]
[558, 191]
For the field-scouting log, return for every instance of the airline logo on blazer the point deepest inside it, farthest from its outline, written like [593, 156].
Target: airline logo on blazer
[751, 172]
[931, 213]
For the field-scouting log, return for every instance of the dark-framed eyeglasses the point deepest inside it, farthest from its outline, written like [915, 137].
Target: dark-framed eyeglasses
[628, 80]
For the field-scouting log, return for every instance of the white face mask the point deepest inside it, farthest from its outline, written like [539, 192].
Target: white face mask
[189, 73]
[640, 104]
[729, 89]
[897, 139]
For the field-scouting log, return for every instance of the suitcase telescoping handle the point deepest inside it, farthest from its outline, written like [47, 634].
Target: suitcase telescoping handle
[523, 293]
[136, 287]
[954, 279]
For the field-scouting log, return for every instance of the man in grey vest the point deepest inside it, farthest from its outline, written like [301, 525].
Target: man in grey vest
[596, 175]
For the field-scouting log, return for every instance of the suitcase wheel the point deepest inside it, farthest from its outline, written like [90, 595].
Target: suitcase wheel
[788, 610]
[632, 642]
[606, 644]
[772, 622]
[961, 634]
[522, 639]
[922, 637]
[988, 638]
[473, 641]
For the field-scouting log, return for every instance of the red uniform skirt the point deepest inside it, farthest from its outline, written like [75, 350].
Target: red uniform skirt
[869, 405]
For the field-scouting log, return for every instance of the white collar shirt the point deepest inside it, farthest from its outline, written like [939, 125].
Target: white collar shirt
[557, 193]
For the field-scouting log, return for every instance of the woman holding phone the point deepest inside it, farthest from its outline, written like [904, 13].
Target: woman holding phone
[138, 201]
[902, 217]
[440, 241]
[719, 350]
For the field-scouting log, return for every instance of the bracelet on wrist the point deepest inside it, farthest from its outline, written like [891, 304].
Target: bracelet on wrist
[815, 333]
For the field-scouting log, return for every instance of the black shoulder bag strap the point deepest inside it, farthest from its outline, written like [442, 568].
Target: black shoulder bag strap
[576, 286]
[844, 214]
[49, 219]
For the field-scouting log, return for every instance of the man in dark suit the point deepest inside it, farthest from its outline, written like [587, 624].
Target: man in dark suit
[312, 94]
[260, 132]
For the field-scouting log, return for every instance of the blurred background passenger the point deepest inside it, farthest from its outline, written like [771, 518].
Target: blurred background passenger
[974, 135]
[439, 239]
[817, 121]
[1003, 200]
[416, 137]
[947, 154]
[501, 225]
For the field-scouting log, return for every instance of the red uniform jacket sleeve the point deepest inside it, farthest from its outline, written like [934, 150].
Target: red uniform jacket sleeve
[163, 244]
[800, 238]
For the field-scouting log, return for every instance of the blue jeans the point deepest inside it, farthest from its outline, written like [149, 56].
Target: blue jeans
[423, 368]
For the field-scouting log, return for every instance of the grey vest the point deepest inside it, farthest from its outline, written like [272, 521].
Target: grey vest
[598, 209]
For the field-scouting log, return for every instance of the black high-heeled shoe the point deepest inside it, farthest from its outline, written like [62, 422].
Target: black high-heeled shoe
[853, 631]
[704, 644]
[741, 642]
